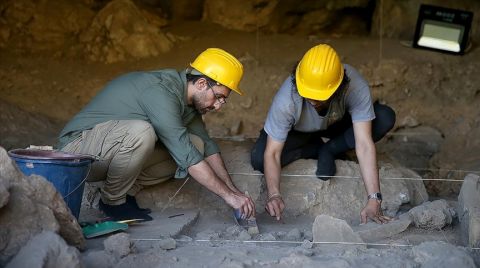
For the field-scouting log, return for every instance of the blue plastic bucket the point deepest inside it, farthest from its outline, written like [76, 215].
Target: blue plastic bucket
[67, 172]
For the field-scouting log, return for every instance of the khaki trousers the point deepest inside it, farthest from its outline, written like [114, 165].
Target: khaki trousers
[130, 157]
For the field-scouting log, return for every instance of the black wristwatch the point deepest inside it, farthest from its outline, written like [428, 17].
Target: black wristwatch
[376, 195]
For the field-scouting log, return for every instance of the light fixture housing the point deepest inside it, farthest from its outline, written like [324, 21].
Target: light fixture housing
[442, 29]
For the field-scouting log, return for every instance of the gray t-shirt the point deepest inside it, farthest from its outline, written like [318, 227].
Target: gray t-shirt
[289, 110]
[158, 97]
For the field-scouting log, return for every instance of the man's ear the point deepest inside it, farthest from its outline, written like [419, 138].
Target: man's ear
[201, 83]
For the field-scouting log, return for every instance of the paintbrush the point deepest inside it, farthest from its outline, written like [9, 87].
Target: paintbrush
[249, 224]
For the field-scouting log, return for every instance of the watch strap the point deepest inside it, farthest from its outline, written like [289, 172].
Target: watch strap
[377, 196]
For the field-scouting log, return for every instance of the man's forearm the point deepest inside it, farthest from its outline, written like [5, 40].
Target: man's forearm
[202, 173]
[216, 163]
[367, 159]
[272, 175]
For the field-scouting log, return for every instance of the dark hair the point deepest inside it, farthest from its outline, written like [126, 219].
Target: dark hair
[293, 79]
[193, 78]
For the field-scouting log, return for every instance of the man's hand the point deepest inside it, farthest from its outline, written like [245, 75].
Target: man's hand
[275, 206]
[242, 202]
[373, 211]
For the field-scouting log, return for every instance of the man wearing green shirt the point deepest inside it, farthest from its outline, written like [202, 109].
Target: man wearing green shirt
[146, 127]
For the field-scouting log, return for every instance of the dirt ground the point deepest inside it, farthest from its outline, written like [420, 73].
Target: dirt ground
[425, 88]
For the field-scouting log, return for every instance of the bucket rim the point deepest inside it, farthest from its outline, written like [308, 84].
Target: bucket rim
[37, 154]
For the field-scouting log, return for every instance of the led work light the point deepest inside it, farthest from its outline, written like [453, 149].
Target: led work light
[442, 29]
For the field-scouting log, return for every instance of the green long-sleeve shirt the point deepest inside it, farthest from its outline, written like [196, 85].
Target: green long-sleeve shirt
[158, 97]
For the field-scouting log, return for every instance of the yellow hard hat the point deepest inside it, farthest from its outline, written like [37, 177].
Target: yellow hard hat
[319, 73]
[221, 66]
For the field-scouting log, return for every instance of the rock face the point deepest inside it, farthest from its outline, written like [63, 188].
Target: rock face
[290, 16]
[31, 205]
[240, 14]
[121, 30]
[44, 24]
[47, 249]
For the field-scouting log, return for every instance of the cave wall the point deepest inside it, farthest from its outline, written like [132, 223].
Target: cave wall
[48, 24]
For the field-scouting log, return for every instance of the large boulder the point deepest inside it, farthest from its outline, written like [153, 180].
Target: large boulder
[344, 195]
[47, 249]
[341, 197]
[121, 30]
[33, 206]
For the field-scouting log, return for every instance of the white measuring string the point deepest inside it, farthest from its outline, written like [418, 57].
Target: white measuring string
[342, 177]
[170, 199]
[282, 242]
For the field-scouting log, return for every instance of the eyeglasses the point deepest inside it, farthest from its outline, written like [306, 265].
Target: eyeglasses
[219, 97]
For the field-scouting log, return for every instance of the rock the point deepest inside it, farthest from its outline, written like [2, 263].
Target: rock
[308, 235]
[307, 244]
[239, 14]
[167, 243]
[122, 30]
[46, 249]
[344, 197]
[46, 24]
[98, 258]
[438, 254]
[298, 260]
[469, 210]
[244, 236]
[4, 194]
[234, 230]
[294, 235]
[118, 245]
[208, 235]
[34, 206]
[432, 215]
[413, 147]
[339, 197]
[329, 229]
[409, 122]
[301, 251]
[266, 237]
[372, 232]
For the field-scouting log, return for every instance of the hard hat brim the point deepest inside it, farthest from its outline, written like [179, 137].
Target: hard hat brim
[194, 71]
[313, 92]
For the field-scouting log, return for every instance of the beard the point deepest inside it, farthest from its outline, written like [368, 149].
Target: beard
[199, 106]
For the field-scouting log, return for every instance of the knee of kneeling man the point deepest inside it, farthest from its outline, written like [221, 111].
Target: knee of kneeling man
[198, 142]
[386, 115]
[143, 132]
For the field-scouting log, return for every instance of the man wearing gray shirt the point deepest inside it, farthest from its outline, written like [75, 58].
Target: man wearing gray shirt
[146, 127]
[323, 98]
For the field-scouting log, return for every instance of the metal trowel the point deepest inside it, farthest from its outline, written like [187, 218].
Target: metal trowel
[249, 224]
